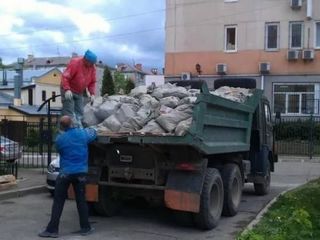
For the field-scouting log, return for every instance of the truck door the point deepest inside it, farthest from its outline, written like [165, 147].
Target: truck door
[267, 125]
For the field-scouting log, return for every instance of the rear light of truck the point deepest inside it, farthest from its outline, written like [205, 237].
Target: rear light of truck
[187, 166]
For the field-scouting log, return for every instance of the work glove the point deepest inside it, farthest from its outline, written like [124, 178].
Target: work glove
[92, 99]
[68, 95]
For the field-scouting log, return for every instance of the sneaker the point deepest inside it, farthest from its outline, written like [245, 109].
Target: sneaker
[46, 234]
[85, 231]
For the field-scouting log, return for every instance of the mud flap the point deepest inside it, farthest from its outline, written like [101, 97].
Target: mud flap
[183, 189]
[92, 188]
[92, 193]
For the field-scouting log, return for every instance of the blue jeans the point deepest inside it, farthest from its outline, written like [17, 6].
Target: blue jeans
[63, 182]
[73, 107]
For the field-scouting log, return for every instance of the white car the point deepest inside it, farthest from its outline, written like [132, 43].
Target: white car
[52, 174]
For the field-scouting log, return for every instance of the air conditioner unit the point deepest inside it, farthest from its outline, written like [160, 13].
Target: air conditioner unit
[185, 76]
[293, 55]
[308, 54]
[221, 68]
[296, 4]
[264, 67]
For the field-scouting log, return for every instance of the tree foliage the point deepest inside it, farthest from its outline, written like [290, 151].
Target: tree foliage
[108, 85]
[122, 84]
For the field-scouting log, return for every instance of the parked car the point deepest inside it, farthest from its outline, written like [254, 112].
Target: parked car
[52, 173]
[10, 150]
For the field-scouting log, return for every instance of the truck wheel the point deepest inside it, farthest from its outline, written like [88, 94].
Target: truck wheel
[211, 201]
[263, 188]
[232, 185]
[107, 205]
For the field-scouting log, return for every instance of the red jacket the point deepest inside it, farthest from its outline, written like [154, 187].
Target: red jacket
[77, 77]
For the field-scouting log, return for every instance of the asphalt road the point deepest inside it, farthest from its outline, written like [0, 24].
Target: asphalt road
[22, 218]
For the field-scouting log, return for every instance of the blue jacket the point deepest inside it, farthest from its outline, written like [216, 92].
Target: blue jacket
[72, 146]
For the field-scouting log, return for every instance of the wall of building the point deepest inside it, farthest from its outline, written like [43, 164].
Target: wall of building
[195, 34]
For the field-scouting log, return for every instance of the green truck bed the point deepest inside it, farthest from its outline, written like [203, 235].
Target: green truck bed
[219, 125]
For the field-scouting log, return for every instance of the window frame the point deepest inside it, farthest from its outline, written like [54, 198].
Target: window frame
[290, 34]
[43, 95]
[226, 27]
[315, 35]
[267, 24]
[53, 94]
[288, 93]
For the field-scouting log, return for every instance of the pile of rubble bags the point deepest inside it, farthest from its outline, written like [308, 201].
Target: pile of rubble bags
[162, 110]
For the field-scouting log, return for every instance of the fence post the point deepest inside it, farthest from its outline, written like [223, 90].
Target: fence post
[311, 143]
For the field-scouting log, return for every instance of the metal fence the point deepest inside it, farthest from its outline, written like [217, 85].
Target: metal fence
[34, 140]
[298, 136]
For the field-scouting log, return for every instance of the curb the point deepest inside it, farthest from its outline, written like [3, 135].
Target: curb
[22, 192]
[258, 217]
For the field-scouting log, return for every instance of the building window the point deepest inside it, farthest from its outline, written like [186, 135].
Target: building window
[230, 38]
[44, 97]
[272, 36]
[53, 96]
[295, 99]
[317, 35]
[296, 35]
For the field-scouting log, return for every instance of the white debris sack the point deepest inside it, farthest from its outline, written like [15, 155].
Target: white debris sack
[152, 127]
[97, 102]
[183, 127]
[169, 121]
[187, 108]
[171, 101]
[193, 92]
[158, 92]
[126, 111]
[187, 100]
[102, 129]
[149, 101]
[234, 94]
[143, 116]
[112, 123]
[137, 91]
[179, 92]
[107, 109]
[89, 118]
[164, 109]
[130, 100]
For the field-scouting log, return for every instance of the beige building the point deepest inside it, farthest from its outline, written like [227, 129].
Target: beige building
[277, 42]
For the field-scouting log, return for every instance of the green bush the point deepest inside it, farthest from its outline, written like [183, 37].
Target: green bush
[297, 130]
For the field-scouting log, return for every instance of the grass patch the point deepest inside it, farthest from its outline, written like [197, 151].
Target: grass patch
[294, 216]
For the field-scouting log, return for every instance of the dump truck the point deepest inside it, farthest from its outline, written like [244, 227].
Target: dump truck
[200, 174]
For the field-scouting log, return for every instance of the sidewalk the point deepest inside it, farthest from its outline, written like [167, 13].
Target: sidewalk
[29, 181]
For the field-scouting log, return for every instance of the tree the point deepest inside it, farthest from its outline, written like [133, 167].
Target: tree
[120, 82]
[129, 86]
[108, 85]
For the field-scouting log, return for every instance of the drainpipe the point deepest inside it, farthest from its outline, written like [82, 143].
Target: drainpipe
[18, 82]
[262, 82]
[309, 9]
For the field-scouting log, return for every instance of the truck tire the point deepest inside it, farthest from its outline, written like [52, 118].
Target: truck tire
[263, 188]
[211, 202]
[107, 205]
[232, 185]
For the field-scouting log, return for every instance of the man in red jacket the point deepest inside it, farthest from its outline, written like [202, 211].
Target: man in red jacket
[79, 75]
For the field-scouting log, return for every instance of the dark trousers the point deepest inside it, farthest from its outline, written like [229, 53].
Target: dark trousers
[63, 182]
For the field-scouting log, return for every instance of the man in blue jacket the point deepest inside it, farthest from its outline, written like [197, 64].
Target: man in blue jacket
[72, 146]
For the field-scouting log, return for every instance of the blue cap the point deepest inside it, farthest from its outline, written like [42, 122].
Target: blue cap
[90, 56]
